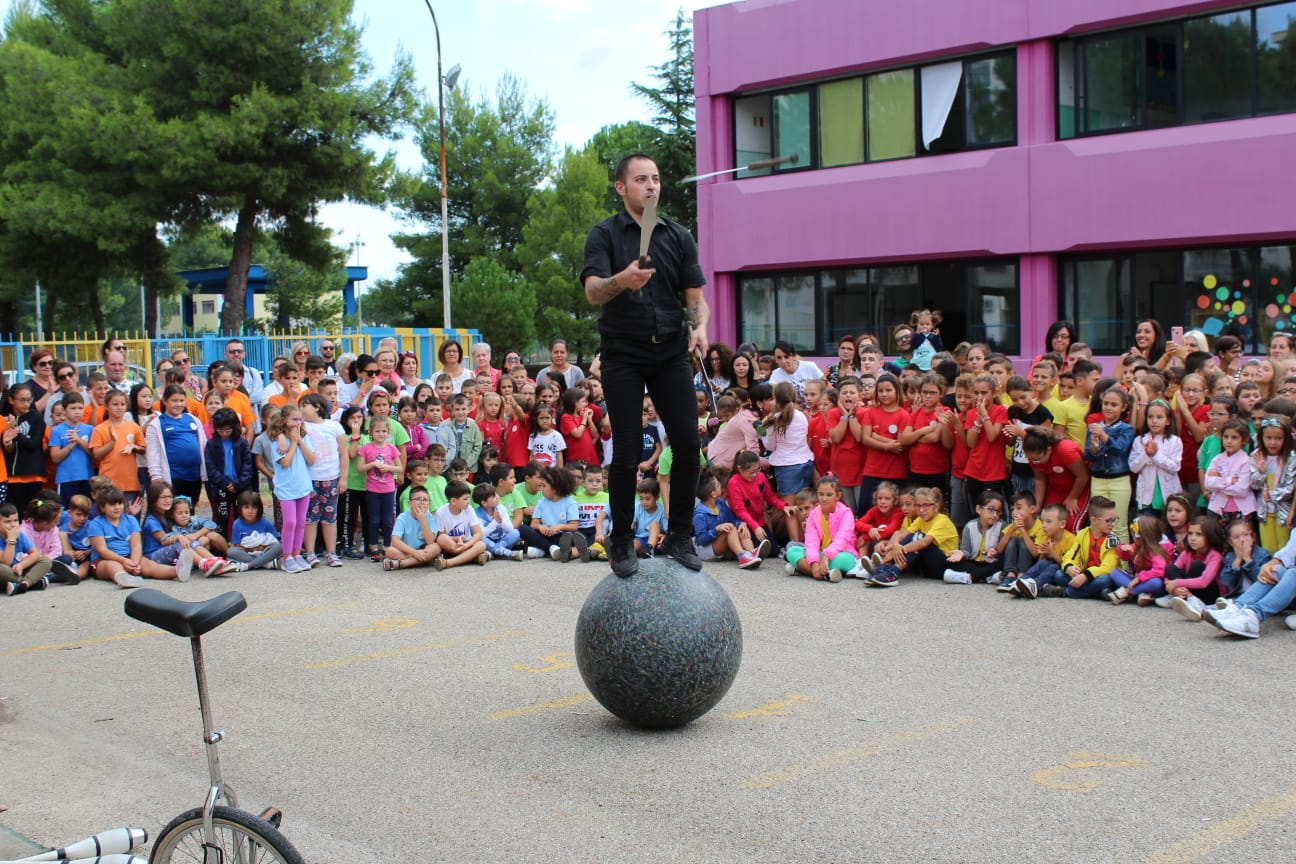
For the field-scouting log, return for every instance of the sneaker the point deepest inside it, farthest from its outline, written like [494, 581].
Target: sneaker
[355, 553]
[1222, 608]
[581, 546]
[276, 564]
[12, 589]
[597, 552]
[1239, 622]
[1119, 596]
[375, 556]
[955, 577]
[622, 557]
[884, 577]
[555, 552]
[128, 580]
[1005, 586]
[679, 545]
[876, 560]
[40, 584]
[533, 552]
[1164, 601]
[1290, 621]
[863, 568]
[61, 571]
[332, 559]
[484, 558]
[748, 560]
[1190, 608]
[1145, 600]
[311, 559]
[789, 569]
[763, 549]
[206, 565]
[1057, 592]
[1025, 587]
[834, 575]
[517, 555]
[234, 567]
[995, 578]
[439, 562]
[184, 565]
[295, 564]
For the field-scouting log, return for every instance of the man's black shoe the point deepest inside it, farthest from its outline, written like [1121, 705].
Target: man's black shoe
[622, 557]
[680, 547]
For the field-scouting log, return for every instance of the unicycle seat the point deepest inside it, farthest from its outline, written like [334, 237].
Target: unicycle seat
[182, 618]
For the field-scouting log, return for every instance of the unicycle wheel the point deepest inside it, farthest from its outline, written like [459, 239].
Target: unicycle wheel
[241, 837]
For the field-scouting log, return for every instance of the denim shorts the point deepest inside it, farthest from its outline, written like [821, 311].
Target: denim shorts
[791, 479]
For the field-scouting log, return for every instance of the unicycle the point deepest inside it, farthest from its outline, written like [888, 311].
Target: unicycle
[215, 833]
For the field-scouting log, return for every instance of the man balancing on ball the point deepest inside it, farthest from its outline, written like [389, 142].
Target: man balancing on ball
[646, 343]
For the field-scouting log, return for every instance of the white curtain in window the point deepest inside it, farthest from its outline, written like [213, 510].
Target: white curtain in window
[939, 87]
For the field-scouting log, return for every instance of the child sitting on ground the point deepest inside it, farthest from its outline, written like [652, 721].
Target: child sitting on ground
[41, 527]
[498, 532]
[829, 536]
[253, 538]
[1148, 554]
[414, 536]
[878, 525]
[1025, 535]
[749, 492]
[1086, 567]
[977, 557]
[934, 537]
[459, 531]
[76, 539]
[557, 518]
[717, 531]
[22, 567]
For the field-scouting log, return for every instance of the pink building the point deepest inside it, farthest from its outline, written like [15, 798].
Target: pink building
[1010, 162]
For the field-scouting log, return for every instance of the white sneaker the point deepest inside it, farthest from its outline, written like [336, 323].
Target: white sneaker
[184, 565]
[1190, 608]
[533, 552]
[876, 561]
[834, 575]
[128, 580]
[858, 571]
[954, 577]
[747, 560]
[789, 569]
[232, 567]
[1290, 621]
[517, 555]
[994, 578]
[1240, 622]
[1164, 601]
[555, 552]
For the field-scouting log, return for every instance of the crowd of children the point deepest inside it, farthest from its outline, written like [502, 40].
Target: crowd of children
[1170, 483]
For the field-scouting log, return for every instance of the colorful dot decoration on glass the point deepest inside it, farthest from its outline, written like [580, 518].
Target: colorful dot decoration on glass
[1233, 308]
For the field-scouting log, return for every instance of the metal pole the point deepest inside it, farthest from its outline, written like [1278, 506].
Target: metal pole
[40, 321]
[445, 228]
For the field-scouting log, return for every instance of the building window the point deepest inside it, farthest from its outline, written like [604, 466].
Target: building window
[813, 310]
[1198, 70]
[950, 106]
[207, 307]
[1243, 291]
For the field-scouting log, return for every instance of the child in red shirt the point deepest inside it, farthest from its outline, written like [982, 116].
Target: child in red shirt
[748, 492]
[880, 523]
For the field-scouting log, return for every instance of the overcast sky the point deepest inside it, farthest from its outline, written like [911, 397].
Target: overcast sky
[579, 55]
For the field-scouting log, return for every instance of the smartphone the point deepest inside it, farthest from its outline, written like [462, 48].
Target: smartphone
[1176, 335]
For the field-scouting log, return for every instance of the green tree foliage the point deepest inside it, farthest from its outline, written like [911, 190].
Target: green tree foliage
[672, 101]
[497, 301]
[553, 249]
[497, 155]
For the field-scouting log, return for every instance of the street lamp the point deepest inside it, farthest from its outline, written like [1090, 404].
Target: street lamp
[443, 81]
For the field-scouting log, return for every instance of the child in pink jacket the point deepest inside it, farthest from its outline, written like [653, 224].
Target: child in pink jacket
[829, 537]
[1148, 554]
[1228, 479]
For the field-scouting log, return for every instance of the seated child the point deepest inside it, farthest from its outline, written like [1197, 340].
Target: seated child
[557, 518]
[253, 538]
[195, 529]
[1148, 554]
[649, 518]
[749, 493]
[1273, 591]
[828, 553]
[878, 525]
[1194, 577]
[414, 536]
[73, 532]
[459, 531]
[161, 543]
[977, 557]
[908, 520]
[717, 531]
[592, 507]
[498, 532]
[41, 527]
[118, 551]
[22, 567]
[1025, 534]
[934, 537]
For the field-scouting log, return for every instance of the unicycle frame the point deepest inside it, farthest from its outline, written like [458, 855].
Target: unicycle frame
[219, 790]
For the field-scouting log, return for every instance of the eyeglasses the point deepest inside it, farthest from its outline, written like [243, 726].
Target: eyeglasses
[181, 360]
[989, 509]
[368, 371]
[235, 351]
[66, 376]
[300, 353]
[1287, 391]
[116, 347]
[326, 348]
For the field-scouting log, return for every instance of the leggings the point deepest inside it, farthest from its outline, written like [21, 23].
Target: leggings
[1154, 586]
[222, 504]
[382, 518]
[255, 560]
[294, 523]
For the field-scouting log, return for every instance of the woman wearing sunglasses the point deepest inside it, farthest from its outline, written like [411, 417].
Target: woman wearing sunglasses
[41, 364]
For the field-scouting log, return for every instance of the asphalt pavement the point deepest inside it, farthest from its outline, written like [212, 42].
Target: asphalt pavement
[423, 716]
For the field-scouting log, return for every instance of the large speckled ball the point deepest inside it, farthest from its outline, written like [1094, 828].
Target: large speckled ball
[660, 648]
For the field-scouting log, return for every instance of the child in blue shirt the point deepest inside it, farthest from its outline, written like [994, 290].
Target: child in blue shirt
[649, 518]
[253, 538]
[74, 531]
[69, 449]
[497, 524]
[557, 517]
[116, 547]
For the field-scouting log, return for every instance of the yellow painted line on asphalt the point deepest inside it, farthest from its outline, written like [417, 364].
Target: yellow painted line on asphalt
[1205, 844]
[1063, 778]
[778, 708]
[801, 770]
[414, 649]
[554, 663]
[118, 637]
[541, 707]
